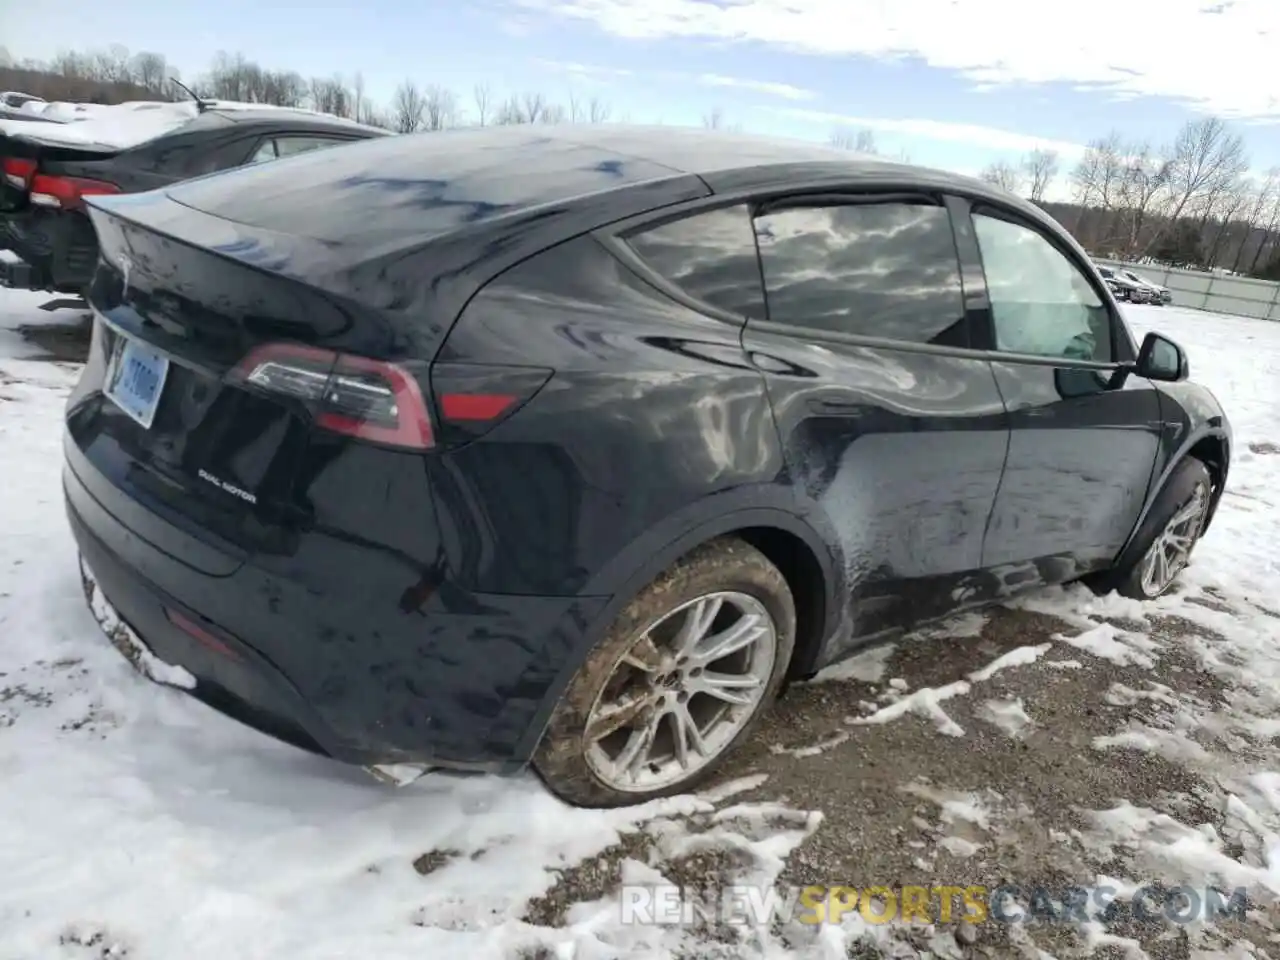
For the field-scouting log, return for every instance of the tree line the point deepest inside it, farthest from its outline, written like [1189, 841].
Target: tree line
[1192, 202]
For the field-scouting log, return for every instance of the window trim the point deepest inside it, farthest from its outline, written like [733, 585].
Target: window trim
[616, 239]
[612, 237]
[262, 142]
[1121, 343]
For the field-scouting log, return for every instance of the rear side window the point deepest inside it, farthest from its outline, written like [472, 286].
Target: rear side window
[874, 269]
[710, 256]
[288, 146]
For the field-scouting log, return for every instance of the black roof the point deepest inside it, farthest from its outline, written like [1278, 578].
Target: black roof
[248, 115]
[429, 184]
[420, 222]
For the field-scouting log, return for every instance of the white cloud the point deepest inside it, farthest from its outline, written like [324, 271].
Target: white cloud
[584, 70]
[973, 134]
[784, 90]
[1217, 56]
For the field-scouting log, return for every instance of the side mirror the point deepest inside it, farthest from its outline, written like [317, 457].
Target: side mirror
[1161, 359]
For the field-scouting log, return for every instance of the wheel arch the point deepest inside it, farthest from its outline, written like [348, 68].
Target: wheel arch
[807, 560]
[1211, 445]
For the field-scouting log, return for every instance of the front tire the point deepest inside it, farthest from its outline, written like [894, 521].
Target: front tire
[1163, 546]
[681, 679]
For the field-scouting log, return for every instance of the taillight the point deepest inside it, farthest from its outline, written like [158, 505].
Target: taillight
[354, 396]
[17, 173]
[66, 193]
[383, 402]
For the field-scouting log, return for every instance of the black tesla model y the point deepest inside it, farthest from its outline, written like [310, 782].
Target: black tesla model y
[571, 445]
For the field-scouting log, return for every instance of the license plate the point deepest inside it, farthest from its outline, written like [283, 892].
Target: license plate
[135, 379]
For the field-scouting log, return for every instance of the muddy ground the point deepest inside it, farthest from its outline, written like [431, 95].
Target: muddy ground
[881, 788]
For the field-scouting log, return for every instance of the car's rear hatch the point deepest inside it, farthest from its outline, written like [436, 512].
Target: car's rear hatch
[184, 433]
[280, 312]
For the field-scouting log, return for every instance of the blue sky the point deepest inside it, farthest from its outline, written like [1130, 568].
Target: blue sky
[953, 83]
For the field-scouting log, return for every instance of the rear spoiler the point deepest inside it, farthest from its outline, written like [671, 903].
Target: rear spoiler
[34, 142]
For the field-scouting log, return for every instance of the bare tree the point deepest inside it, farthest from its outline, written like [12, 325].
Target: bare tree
[713, 120]
[440, 108]
[1040, 167]
[407, 108]
[1141, 192]
[553, 113]
[1268, 234]
[1262, 196]
[1226, 205]
[1097, 182]
[598, 111]
[359, 103]
[509, 112]
[1003, 175]
[1205, 158]
[284, 89]
[483, 97]
[841, 139]
[151, 71]
[330, 95]
[863, 141]
[532, 106]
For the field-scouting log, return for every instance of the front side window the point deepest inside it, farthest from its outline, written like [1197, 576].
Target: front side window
[1041, 303]
[877, 269]
[711, 256]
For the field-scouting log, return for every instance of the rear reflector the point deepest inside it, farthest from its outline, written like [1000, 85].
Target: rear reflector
[474, 398]
[66, 193]
[200, 634]
[355, 396]
[475, 406]
[17, 173]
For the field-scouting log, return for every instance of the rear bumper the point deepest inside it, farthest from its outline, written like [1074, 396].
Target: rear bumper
[463, 682]
[59, 250]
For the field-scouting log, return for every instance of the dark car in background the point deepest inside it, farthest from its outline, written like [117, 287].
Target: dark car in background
[572, 445]
[44, 180]
[1161, 296]
[1123, 287]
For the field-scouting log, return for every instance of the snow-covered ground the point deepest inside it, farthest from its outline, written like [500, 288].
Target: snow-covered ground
[135, 822]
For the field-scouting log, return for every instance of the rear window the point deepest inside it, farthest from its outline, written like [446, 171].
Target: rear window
[419, 185]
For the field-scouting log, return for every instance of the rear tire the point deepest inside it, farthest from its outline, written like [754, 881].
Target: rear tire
[1162, 547]
[644, 716]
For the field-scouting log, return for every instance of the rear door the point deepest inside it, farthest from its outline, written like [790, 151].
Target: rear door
[1081, 454]
[891, 422]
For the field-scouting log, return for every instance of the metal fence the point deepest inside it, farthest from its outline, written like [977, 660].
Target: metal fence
[1241, 296]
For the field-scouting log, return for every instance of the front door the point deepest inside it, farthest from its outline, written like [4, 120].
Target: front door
[1081, 453]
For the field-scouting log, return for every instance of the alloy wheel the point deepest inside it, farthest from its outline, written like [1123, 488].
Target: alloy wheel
[682, 692]
[1171, 550]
